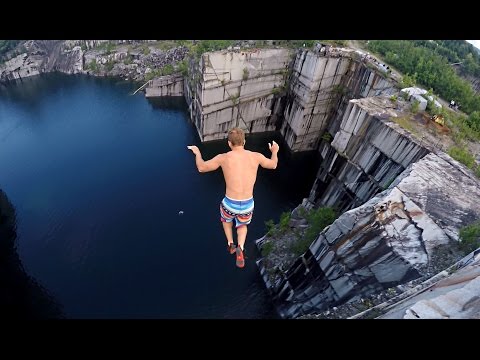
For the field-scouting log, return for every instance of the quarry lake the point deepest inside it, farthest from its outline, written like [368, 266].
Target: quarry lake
[97, 178]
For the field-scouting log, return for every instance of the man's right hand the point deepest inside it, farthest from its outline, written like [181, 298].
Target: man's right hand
[273, 147]
[194, 149]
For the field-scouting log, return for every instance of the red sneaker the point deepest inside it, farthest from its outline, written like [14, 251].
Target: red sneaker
[231, 248]
[239, 257]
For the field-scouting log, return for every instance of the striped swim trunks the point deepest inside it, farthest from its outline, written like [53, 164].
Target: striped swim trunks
[240, 210]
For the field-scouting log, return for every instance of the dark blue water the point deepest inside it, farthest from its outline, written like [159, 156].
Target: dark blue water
[97, 178]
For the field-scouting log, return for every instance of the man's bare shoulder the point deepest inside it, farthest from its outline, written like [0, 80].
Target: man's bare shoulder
[255, 155]
[222, 156]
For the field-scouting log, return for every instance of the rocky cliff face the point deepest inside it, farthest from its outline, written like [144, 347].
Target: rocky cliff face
[320, 87]
[365, 156]
[43, 56]
[237, 88]
[301, 94]
[171, 85]
[389, 240]
[314, 88]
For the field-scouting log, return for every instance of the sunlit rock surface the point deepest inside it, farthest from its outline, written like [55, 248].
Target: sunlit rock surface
[387, 241]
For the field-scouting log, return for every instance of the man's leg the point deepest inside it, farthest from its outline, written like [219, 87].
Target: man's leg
[241, 222]
[241, 235]
[227, 227]
[227, 219]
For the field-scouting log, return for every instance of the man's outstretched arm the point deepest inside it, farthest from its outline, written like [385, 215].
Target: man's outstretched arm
[273, 161]
[205, 166]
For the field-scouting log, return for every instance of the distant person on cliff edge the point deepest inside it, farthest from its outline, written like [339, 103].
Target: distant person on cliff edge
[239, 168]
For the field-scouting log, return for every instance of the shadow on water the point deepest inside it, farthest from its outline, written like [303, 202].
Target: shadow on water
[168, 102]
[295, 171]
[21, 297]
[32, 91]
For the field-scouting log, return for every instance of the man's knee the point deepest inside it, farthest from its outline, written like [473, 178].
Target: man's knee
[241, 227]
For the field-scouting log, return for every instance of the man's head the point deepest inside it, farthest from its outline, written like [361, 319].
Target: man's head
[236, 137]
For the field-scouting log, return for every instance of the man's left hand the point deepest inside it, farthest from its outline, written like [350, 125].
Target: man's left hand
[194, 149]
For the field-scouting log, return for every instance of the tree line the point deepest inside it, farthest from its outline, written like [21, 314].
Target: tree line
[428, 63]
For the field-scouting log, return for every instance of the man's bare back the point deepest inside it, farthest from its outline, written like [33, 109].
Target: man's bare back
[239, 168]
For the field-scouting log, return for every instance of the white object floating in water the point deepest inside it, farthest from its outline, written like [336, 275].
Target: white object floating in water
[180, 212]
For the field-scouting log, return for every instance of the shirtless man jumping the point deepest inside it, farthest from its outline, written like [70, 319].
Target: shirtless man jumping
[239, 168]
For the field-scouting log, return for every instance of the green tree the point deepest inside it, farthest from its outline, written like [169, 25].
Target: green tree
[429, 62]
[473, 120]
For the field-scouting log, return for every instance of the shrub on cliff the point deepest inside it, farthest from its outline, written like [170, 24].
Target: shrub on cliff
[212, 45]
[415, 106]
[462, 155]
[283, 225]
[473, 120]
[317, 219]
[470, 237]
[182, 67]
[93, 66]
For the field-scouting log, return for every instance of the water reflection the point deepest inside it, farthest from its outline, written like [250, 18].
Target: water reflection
[168, 102]
[31, 92]
[21, 297]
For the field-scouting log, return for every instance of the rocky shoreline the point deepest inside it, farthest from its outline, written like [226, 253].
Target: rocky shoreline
[278, 248]
[135, 60]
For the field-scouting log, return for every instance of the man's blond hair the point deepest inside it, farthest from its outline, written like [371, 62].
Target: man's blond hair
[236, 136]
